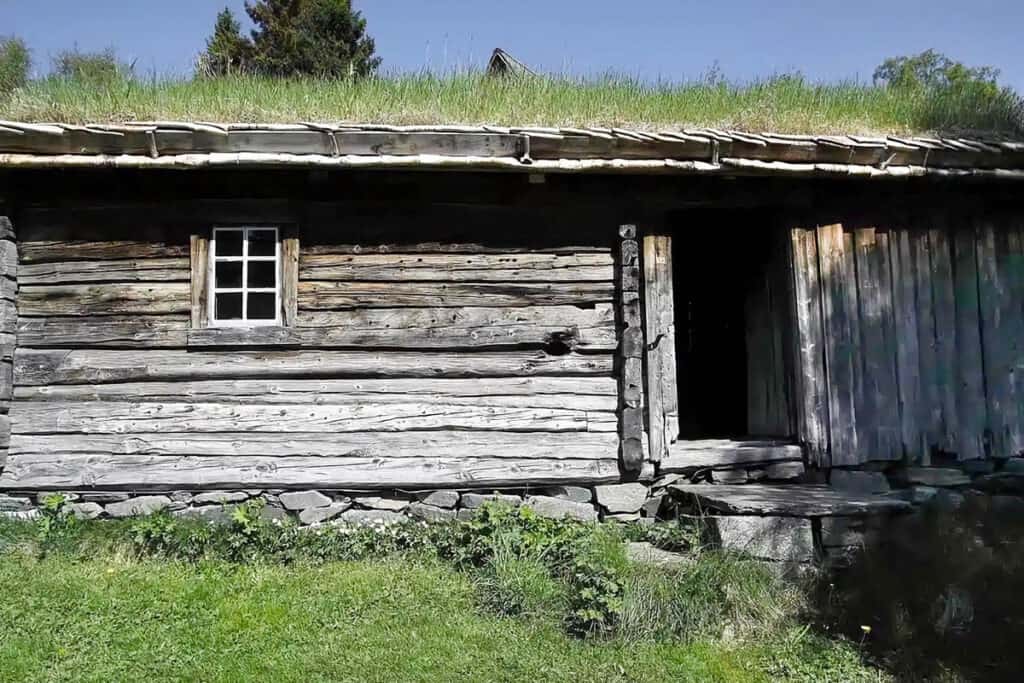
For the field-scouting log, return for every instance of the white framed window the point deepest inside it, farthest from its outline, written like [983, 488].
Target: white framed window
[245, 273]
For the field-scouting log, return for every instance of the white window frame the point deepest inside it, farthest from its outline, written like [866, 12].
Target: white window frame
[244, 290]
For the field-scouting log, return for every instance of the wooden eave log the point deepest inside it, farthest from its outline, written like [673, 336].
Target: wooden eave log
[161, 139]
[727, 165]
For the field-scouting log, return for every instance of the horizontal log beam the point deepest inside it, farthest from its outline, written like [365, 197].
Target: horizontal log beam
[119, 270]
[328, 245]
[85, 366]
[168, 472]
[509, 267]
[105, 299]
[322, 295]
[109, 417]
[137, 331]
[380, 445]
[91, 250]
[429, 328]
[579, 393]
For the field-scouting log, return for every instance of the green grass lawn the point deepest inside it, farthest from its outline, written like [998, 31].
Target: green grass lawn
[780, 104]
[98, 612]
[368, 621]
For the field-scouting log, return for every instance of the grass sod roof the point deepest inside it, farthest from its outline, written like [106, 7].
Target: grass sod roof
[529, 124]
[785, 104]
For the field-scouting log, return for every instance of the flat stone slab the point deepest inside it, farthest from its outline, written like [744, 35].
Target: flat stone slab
[696, 454]
[782, 539]
[618, 498]
[785, 501]
[138, 507]
[645, 553]
[302, 500]
[556, 508]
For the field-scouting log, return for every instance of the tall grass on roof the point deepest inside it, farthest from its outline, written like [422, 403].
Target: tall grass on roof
[784, 103]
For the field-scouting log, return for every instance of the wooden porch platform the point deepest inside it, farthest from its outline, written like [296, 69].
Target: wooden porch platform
[727, 453]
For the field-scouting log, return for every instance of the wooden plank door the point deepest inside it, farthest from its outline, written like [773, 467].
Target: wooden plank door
[660, 349]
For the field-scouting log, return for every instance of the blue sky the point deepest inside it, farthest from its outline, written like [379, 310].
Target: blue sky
[825, 39]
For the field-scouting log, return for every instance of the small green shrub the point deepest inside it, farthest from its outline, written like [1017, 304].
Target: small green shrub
[156, 534]
[14, 64]
[56, 526]
[100, 68]
[677, 537]
[596, 572]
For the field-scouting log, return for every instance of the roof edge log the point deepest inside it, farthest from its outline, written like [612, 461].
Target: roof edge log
[179, 145]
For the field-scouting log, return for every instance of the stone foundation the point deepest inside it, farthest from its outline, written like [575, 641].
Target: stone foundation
[786, 537]
[624, 502]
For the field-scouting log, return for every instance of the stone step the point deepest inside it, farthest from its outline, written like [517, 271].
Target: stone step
[727, 453]
[784, 500]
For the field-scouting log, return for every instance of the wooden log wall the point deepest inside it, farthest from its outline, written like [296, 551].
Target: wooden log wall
[8, 324]
[432, 347]
[910, 338]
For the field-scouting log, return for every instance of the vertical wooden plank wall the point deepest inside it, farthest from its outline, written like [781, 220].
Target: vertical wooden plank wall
[810, 380]
[8, 327]
[917, 347]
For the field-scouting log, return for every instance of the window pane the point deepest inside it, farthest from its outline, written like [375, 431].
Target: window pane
[262, 242]
[261, 306]
[229, 242]
[262, 273]
[228, 306]
[229, 274]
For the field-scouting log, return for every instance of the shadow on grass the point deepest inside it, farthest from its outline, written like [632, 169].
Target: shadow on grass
[939, 595]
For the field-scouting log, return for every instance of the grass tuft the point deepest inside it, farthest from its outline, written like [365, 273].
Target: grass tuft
[785, 103]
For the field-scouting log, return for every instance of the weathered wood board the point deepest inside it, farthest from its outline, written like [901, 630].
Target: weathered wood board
[328, 295]
[125, 331]
[577, 393]
[105, 299]
[97, 366]
[509, 267]
[508, 446]
[168, 472]
[810, 378]
[110, 417]
[922, 337]
[660, 361]
[688, 455]
[117, 270]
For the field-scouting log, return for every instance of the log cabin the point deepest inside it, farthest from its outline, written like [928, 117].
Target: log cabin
[190, 307]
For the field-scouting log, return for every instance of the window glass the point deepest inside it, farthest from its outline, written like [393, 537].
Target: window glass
[245, 263]
[262, 242]
[228, 274]
[261, 306]
[262, 274]
[229, 242]
[228, 306]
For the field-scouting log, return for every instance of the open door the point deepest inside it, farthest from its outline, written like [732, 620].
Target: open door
[717, 317]
[660, 351]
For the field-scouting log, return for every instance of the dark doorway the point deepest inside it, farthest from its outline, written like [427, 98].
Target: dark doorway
[718, 257]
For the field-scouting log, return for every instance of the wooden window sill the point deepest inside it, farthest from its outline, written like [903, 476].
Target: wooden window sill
[234, 337]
